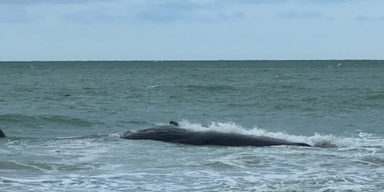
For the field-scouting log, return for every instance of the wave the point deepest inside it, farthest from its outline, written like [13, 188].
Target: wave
[36, 119]
[210, 88]
[362, 140]
[40, 166]
[375, 97]
[199, 88]
[152, 86]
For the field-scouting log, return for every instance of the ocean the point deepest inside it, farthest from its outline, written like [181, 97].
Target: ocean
[63, 121]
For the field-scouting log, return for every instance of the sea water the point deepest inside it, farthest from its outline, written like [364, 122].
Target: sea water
[63, 120]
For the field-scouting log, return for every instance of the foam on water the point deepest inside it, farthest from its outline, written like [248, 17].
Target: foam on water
[152, 86]
[59, 152]
[111, 164]
[306, 168]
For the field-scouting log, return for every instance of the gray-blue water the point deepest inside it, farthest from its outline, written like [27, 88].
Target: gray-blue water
[63, 120]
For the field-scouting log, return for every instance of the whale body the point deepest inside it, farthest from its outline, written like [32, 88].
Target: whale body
[174, 134]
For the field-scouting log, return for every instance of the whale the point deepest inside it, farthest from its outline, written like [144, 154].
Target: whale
[2, 135]
[172, 133]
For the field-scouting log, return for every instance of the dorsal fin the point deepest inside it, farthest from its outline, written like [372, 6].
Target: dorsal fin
[2, 133]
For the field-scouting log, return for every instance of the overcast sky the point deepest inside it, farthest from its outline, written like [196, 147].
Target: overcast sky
[191, 29]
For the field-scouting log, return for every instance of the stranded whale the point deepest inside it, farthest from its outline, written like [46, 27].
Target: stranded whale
[173, 134]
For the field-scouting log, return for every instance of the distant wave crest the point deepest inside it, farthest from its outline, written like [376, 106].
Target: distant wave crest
[37, 119]
[209, 88]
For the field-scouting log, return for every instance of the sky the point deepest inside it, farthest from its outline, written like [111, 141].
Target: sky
[52, 30]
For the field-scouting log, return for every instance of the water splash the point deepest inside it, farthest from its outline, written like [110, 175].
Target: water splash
[318, 140]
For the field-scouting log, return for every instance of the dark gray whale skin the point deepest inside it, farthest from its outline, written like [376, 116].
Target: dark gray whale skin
[2, 134]
[174, 134]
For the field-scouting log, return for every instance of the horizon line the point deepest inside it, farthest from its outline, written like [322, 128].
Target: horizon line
[186, 60]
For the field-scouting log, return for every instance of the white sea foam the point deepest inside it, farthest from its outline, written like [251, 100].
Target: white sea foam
[318, 140]
[102, 164]
[152, 86]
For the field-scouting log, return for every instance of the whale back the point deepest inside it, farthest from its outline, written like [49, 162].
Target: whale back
[173, 134]
[167, 133]
[235, 139]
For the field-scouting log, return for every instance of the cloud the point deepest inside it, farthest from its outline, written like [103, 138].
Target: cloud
[183, 10]
[369, 18]
[363, 18]
[294, 14]
[160, 12]
[29, 2]
[93, 17]
[181, 5]
[77, 11]
[13, 14]
[332, 1]
[252, 1]
[283, 1]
